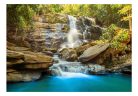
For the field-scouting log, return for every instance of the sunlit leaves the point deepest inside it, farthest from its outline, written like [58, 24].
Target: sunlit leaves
[126, 11]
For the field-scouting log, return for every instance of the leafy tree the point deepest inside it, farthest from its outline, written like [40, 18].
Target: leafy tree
[126, 11]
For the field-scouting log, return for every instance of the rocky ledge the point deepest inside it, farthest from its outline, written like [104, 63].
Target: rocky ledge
[25, 65]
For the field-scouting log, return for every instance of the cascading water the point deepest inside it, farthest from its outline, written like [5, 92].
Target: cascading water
[65, 68]
[73, 34]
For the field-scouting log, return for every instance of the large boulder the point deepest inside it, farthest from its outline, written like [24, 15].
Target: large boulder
[69, 54]
[92, 52]
[17, 76]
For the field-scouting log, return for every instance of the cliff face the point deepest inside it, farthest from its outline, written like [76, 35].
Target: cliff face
[50, 31]
[25, 65]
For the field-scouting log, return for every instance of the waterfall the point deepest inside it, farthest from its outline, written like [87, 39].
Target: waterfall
[73, 35]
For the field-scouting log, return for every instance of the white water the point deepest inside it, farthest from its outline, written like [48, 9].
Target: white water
[72, 69]
[68, 69]
[72, 36]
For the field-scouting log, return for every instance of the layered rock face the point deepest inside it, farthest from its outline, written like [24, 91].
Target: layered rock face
[87, 26]
[24, 65]
[50, 31]
[53, 29]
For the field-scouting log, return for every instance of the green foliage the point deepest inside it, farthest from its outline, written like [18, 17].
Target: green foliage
[20, 15]
[118, 45]
[116, 36]
[109, 33]
[119, 40]
[123, 35]
[126, 11]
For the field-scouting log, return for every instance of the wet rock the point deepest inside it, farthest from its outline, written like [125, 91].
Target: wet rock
[69, 54]
[92, 52]
[56, 61]
[96, 69]
[121, 68]
[18, 76]
[127, 71]
[88, 28]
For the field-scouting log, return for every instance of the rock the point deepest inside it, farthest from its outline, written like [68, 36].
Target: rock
[56, 61]
[88, 27]
[18, 76]
[10, 44]
[53, 50]
[55, 18]
[92, 52]
[69, 54]
[121, 68]
[28, 60]
[24, 65]
[14, 54]
[13, 48]
[49, 53]
[96, 69]
[127, 69]
[14, 61]
[82, 48]
[31, 57]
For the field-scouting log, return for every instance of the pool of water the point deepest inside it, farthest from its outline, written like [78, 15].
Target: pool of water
[75, 83]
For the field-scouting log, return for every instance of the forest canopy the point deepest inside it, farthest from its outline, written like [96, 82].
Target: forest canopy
[20, 15]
